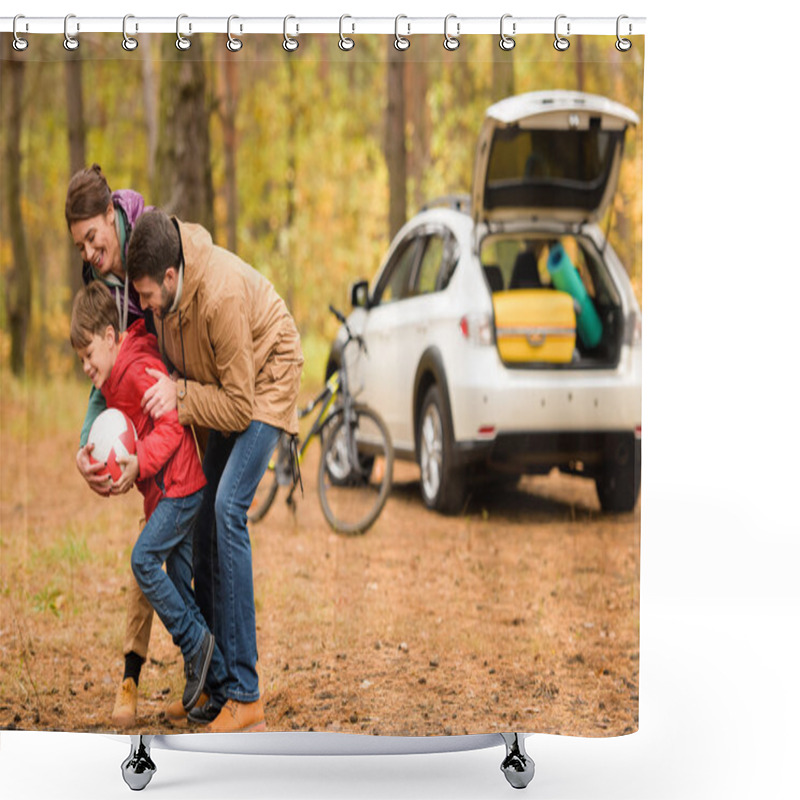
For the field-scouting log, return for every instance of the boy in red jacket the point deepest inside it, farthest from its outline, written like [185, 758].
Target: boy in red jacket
[166, 470]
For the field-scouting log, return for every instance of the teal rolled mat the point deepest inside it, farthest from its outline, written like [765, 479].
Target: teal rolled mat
[567, 279]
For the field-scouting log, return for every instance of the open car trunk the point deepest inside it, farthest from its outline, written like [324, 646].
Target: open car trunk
[555, 305]
[549, 161]
[549, 156]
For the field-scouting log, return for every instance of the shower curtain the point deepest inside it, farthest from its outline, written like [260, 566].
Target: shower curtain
[508, 600]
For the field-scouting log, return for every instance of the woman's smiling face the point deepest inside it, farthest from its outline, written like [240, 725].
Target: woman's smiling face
[97, 242]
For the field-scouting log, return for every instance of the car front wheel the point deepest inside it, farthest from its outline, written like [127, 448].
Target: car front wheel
[443, 484]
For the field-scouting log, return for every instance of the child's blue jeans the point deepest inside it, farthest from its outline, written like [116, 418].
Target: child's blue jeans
[167, 536]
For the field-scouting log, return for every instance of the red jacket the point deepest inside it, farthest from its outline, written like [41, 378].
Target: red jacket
[168, 462]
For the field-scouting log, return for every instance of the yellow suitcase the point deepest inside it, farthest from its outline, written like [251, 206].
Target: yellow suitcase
[534, 326]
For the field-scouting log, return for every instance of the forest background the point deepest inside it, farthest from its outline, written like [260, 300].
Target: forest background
[304, 164]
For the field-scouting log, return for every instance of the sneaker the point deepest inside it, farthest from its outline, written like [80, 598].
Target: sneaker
[196, 669]
[124, 713]
[176, 713]
[236, 717]
[205, 711]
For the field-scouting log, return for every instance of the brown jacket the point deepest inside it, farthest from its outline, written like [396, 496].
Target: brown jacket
[234, 340]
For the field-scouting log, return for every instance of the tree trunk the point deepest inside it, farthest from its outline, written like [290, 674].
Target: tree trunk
[230, 101]
[420, 153]
[287, 237]
[150, 101]
[183, 184]
[18, 289]
[76, 132]
[395, 143]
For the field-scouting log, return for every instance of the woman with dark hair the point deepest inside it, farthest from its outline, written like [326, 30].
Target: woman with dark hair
[100, 222]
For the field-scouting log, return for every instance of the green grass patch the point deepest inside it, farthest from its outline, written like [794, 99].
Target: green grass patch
[50, 599]
[316, 349]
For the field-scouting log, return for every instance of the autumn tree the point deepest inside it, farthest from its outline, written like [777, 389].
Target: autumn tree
[395, 139]
[18, 288]
[183, 184]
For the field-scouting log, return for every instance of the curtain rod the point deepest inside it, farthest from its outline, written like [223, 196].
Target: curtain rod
[454, 26]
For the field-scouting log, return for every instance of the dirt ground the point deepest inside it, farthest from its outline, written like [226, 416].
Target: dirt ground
[520, 614]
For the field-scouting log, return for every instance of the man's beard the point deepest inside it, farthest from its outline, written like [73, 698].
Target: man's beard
[167, 299]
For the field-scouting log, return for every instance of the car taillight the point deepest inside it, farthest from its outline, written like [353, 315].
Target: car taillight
[477, 329]
[633, 329]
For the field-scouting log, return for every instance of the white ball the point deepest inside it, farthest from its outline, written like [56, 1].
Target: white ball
[113, 436]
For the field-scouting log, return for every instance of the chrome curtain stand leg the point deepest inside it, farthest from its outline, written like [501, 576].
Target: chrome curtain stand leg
[138, 768]
[517, 766]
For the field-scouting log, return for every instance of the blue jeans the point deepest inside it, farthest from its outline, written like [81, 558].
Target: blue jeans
[233, 465]
[167, 536]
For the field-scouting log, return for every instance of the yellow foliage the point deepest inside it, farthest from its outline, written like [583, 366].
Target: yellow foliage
[312, 182]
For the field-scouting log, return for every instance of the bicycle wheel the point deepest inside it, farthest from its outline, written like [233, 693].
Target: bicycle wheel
[278, 474]
[352, 495]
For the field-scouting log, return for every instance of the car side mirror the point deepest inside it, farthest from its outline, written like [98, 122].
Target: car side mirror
[359, 294]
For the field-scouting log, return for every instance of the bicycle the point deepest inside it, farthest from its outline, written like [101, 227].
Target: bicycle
[356, 461]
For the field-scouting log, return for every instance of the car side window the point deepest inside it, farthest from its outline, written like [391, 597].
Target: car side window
[430, 265]
[437, 265]
[396, 280]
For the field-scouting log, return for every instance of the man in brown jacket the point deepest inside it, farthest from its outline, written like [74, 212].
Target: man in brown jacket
[237, 362]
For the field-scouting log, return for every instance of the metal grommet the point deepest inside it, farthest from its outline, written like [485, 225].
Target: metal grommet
[561, 44]
[70, 42]
[507, 42]
[128, 42]
[18, 44]
[400, 42]
[233, 44]
[623, 45]
[182, 43]
[290, 44]
[451, 42]
[345, 42]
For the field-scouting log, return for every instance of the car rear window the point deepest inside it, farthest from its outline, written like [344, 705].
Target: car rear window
[520, 262]
[549, 168]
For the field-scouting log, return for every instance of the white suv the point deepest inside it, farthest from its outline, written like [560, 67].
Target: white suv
[483, 355]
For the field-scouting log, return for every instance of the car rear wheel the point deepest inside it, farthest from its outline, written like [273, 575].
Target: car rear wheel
[443, 484]
[618, 483]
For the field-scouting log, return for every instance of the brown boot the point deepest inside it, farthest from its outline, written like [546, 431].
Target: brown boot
[124, 713]
[176, 713]
[239, 717]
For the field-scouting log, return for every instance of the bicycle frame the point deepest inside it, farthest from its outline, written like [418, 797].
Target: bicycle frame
[334, 396]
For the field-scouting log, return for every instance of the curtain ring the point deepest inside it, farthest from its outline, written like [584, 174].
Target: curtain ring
[623, 45]
[182, 43]
[400, 42]
[561, 44]
[290, 44]
[128, 42]
[70, 42]
[345, 42]
[18, 44]
[451, 42]
[507, 42]
[233, 44]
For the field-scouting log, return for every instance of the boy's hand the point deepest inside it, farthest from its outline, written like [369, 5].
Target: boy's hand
[97, 483]
[162, 396]
[130, 472]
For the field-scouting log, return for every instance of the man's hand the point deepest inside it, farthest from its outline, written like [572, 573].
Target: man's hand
[162, 396]
[101, 484]
[130, 472]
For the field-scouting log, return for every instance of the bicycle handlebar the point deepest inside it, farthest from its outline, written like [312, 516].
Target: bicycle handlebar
[338, 314]
[350, 337]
